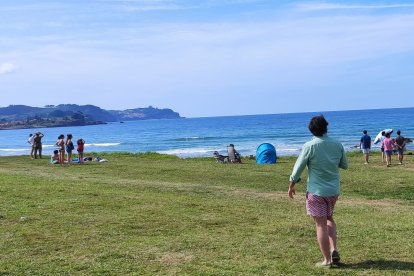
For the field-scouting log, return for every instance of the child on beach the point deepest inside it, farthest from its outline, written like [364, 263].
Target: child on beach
[81, 146]
[69, 148]
[388, 145]
[61, 144]
[54, 158]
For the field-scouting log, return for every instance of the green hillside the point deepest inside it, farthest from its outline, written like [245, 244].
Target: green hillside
[22, 116]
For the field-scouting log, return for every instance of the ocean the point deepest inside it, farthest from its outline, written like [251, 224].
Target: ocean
[200, 137]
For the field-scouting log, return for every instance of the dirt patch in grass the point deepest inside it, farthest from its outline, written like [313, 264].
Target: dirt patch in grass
[301, 196]
[256, 194]
[176, 258]
[384, 203]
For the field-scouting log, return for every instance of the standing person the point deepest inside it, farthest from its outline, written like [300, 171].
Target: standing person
[31, 142]
[61, 144]
[80, 148]
[323, 156]
[382, 146]
[365, 145]
[400, 144]
[69, 147]
[388, 145]
[38, 144]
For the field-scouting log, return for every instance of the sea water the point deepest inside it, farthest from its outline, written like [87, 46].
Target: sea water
[200, 137]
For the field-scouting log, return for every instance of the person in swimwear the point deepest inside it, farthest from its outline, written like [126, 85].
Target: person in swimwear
[61, 144]
[69, 147]
[80, 148]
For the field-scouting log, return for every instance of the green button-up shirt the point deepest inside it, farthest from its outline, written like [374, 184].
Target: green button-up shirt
[323, 156]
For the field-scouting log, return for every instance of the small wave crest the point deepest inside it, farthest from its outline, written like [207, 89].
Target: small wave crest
[102, 144]
[194, 138]
[14, 150]
[48, 146]
[189, 152]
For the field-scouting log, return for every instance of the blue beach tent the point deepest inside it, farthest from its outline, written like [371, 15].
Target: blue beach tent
[266, 154]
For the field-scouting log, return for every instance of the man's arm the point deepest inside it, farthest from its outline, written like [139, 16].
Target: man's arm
[292, 190]
[343, 163]
[300, 165]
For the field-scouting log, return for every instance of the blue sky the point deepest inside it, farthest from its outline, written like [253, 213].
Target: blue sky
[208, 58]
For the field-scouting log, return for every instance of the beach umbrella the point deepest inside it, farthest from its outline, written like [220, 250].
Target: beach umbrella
[379, 135]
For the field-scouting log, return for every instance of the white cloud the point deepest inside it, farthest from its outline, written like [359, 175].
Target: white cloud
[332, 6]
[7, 68]
[147, 8]
[162, 62]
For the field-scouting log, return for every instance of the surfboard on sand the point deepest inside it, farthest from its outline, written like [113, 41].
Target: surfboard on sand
[378, 137]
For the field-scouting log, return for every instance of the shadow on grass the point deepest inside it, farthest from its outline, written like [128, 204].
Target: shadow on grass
[380, 265]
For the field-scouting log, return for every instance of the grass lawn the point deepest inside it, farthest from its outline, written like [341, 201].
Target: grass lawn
[149, 214]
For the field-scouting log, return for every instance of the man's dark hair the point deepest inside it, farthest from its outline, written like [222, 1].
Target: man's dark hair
[318, 126]
[365, 132]
[398, 132]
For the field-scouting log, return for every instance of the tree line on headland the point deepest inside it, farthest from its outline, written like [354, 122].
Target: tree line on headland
[22, 116]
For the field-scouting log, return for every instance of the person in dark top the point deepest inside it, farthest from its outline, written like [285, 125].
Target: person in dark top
[37, 143]
[234, 155]
[365, 145]
[69, 147]
[400, 144]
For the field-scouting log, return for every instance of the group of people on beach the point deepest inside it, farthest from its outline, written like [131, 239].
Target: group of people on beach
[388, 146]
[67, 146]
[58, 156]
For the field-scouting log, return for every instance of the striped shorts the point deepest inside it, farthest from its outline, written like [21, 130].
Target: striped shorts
[318, 206]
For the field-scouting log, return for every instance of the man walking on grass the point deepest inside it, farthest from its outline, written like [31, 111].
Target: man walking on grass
[323, 156]
[400, 144]
[365, 145]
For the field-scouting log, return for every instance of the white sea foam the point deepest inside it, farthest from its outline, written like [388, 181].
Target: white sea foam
[48, 146]
[14, 150]
[189, 152]
[102, 144]
[288, 149]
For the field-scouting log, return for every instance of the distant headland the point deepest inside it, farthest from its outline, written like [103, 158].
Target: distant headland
[22, 116]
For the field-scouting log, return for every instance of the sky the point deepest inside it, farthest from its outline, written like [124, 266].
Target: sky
[208, 58]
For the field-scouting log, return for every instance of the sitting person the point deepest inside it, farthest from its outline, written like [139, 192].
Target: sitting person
[54, 158]
[100, 160]
[234, 155]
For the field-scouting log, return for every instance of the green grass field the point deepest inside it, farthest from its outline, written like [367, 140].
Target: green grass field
[147, 214]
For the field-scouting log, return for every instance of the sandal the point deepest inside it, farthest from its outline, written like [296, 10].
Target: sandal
[335, 257]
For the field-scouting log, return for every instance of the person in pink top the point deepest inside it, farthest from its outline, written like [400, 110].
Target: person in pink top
[388, 145]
